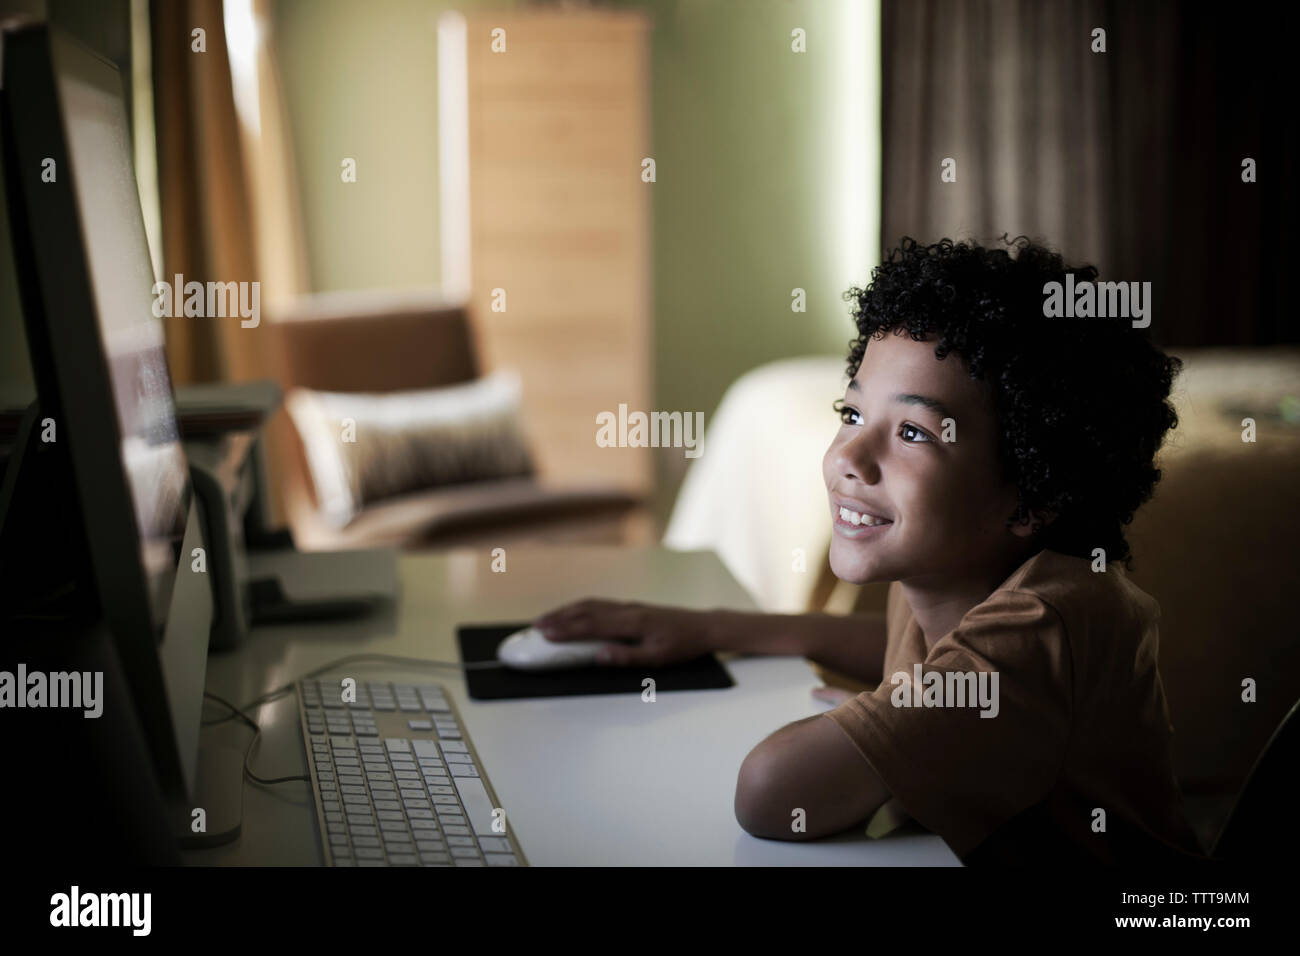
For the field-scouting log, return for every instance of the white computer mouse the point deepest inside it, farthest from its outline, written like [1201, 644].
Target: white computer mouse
[529, 650]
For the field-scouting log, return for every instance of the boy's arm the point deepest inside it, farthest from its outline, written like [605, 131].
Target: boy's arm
[852, 645]
[809, 766]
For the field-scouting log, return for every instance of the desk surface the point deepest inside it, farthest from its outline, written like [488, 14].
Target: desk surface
[606, 780]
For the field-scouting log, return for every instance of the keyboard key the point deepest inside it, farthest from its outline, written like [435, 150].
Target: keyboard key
[494, 845]
[501, 859]
[477, 804]
[403, 859]
[464, 852]
[463, 770]
[420, 724]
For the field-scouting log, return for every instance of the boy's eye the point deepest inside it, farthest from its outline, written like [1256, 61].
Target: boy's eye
[905, 430]
[847, 413]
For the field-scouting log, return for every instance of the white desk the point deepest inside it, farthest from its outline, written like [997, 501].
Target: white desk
[606, 780]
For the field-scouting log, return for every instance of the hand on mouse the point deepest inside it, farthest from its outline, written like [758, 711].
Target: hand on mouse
[661, 635]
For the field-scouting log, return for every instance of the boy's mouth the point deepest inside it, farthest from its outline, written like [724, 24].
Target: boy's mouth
[854, 523]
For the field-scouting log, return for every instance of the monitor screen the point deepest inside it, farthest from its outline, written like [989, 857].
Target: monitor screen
[122, 281]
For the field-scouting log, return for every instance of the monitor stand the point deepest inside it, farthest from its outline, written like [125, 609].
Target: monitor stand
[219, 791]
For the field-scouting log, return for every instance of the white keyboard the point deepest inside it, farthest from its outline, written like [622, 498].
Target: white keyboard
[397, 781]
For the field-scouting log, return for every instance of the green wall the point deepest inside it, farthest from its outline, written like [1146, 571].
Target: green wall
[748, 139]
[360, 80]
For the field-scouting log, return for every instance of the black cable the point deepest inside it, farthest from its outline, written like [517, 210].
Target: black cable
[257, 733]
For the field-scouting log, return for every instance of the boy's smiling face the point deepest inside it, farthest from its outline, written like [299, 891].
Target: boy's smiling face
[945, 502]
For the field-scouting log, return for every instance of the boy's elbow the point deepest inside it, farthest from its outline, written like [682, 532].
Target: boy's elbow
[756, 800]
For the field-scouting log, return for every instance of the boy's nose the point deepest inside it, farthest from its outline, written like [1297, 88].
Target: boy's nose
[858, 458]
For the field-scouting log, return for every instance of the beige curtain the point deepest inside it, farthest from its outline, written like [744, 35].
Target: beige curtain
[228, 197]
[227, 190]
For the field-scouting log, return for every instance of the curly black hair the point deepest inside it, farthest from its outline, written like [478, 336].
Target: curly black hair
[1081, 403]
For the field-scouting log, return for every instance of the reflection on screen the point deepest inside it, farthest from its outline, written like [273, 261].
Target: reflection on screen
[122, 280]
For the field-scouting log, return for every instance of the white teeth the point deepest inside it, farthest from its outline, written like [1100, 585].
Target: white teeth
[854, 517]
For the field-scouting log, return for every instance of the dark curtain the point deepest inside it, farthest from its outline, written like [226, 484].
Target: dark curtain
[1129, 160]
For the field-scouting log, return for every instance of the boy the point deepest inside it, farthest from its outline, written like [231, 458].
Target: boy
[988, 459]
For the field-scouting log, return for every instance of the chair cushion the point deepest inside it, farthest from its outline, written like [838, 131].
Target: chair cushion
[362, 448]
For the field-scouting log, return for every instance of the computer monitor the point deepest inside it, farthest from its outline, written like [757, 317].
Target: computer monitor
[86, 283]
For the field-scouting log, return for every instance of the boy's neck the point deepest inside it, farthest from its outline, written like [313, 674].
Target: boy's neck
[939, 604]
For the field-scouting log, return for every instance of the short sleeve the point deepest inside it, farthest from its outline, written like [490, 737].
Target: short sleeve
[983, 734]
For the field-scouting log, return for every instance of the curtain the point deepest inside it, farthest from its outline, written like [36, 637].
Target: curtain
[1129, 160]
[228, 198]
[229, 202]
[206, 219]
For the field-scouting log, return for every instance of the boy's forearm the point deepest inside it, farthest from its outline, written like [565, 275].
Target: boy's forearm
[852, 645]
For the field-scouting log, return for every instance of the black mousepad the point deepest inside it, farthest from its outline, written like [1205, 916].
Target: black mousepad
[479, 642]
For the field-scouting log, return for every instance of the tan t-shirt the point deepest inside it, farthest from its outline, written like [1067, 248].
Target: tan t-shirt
[1077, 722]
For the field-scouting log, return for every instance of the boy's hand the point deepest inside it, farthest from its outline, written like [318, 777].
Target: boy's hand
[658, 635]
